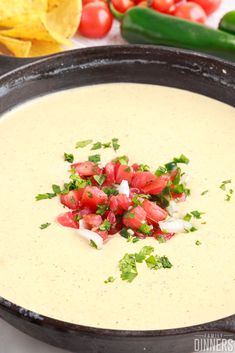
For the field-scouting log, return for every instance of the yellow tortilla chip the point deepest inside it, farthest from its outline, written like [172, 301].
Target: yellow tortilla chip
[65, 18]
[51, 4]
[37, 29]
[19, 48]
[40, 48]
[15, 12]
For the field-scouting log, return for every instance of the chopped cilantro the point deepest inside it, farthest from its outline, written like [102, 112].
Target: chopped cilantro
[45, 196]
[156, 262]
[77, 217]
[182, 159]
[100, 178]
[110, 279]
[56, 189]
[165, 262]
[228, 198]
[197, 214]
[176, 180]
[127, 266]
[45, 225]
[95, 158]
[145, 229]
[136, 201]
[145, 251]
[193, 229]
[128, 169]
[93, 244]
[204, 192]
[132, 239]
[96, 146]
[187, 217]
[125, 232]
[203, 222]
[89, 194]
[129, 214]
[143, 168]
[106, 225]
[122, 160]
[110, 191]
[78, 182]
[160, 171]
[224, 183]
[68, 157]
[101, 209]
[115, 144]
[170, 166]
[82, 144]
[197, 242]
[179, 189]
[161, 239]
[106, 144]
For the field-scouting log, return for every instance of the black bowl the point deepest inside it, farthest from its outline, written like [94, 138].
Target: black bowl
[24, 79]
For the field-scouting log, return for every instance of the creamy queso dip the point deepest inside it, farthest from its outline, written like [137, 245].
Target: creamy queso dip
[56, 273]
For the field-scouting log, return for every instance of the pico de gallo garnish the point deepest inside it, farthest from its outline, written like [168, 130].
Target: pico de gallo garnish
[122, 197]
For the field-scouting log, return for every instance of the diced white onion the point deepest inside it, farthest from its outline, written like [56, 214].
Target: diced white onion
[82, 224]
[172, 208]
[173, 225]
[90, 235]
[123, 188]
[184, 179]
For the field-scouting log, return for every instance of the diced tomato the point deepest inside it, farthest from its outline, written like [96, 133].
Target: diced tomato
[84, 211]
[72, 199]
[179, 197]
[87, 169]
[111, 217]
[103, 234]
[93, 196]
[119, 203]
[159, 233]
[135, 166]
[115, 228]
[173, 174]
[140, 179]
[124, 172]
[135, 217]
[92, 220]
[109, 171]
[156, 186]
[67, 220]
[154, 212]
[133, 192]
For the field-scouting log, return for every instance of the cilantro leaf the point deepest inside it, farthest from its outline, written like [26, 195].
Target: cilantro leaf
[204, 192]
[101, 209]
[56, 189]
[100, 178]
[82, 144]
[96, 146]
[127, 266]
[93, 244]
[197, 214]
[68, 157]
[110, 279]
[182, 159]
[110, 191]
[94, 158]
[45, 196]
[115, 144]
[106, 225]
[44, 225]
[145, 251]
[145, 229]
[197, 242]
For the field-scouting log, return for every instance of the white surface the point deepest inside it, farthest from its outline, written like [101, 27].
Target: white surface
[13, 341]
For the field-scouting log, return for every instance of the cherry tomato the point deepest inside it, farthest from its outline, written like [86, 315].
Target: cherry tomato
[191, 11]
[154, 212]
[93, 196]
[123, 5]
[162, 5]
[72, 199]
[135, 217]
[124, 172]
[209, 6]
[96, 20]
[67, 220]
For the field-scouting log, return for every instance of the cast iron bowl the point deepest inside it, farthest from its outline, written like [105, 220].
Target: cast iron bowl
[24, 79]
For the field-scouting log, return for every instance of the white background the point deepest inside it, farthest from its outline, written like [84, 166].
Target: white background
[13, 341]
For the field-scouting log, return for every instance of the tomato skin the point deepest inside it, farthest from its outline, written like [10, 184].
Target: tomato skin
[209, 6]
[96, 20]
[191, 11]
[123, 5]
[143, 4]
[154, 212]
[72, 200]
[159, 233]
[109, 171]
[162, 5]
[111, 217]
[119, 203]
[85, 2]
[103, 233]
[92, 220]
[156, 186]
[86, 169]
[93, 196]
[67, 220]
[140, 179]
[124, 173]
[135, 217]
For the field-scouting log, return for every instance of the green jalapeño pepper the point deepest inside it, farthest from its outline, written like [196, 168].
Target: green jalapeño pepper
[146, 26]
[227, 22]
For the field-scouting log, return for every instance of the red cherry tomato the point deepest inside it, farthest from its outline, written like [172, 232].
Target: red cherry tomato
[209, 6]
[154, 212]
[191, 11]
[96, 20]
[162, 5]
[123, 5]
[135, 217]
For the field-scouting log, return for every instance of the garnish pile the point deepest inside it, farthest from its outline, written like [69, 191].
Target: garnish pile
[121, 197]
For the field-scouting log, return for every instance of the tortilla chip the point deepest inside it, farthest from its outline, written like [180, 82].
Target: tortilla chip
[51, 4]
[65, 18]
[16, 12]
[19, 48]
[36, 29]
[40, 48]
